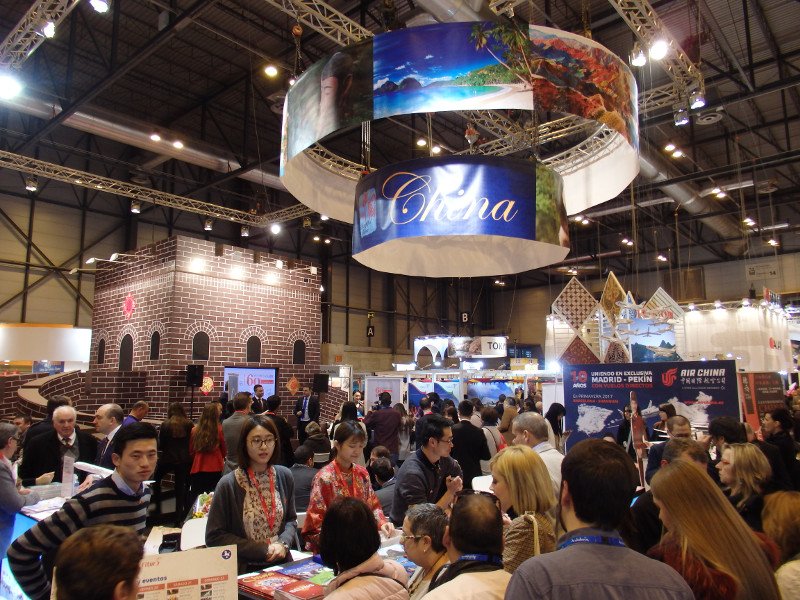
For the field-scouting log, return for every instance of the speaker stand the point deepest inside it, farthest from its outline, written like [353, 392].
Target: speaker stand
[191, 405]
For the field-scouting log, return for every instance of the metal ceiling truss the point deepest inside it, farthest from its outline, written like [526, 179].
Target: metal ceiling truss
[26, 37]
[324, 19]
[40, 168]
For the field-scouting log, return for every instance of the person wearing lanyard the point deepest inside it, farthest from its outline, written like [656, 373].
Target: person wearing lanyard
[253, 506]
[342, 477]
[474, 542]
[597, 486]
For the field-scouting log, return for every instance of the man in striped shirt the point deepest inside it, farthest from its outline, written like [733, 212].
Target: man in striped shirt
[119, 499]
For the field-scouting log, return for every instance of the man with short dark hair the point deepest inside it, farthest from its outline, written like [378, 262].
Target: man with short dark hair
[232, 429]
[677, 427]
[646, 527]
[469, 444]
[23, 424]
[777, 427]
[383, 471]
[474, 542]
[138, 412]
[285, 431]
[303, 472]
[306, 409]
[429, 474]
[119, 499]
[385, 423]
[259, 404]
[107, 420]
[598, 482]
[425, 406]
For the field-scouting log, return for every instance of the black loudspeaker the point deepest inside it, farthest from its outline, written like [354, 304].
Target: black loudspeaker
[320, 383]
[194, 375]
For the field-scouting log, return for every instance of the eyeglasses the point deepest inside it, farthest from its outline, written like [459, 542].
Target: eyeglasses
[467, 492]
[258, 442]
[404, 537]
[445, 440]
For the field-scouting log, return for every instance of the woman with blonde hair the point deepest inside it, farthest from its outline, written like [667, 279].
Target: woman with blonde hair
[707, 542]
[781, 518]
[743, 470]
[521, 482]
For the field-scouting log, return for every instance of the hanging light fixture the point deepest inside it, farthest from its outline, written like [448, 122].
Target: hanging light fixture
[49, 30]
[100, 6]
[637, 58]
[275, 228]
[659, 49]
[10, 85]
[271, 71]
[31, 183]
[680, 116]
[208, 225]
[471, 134]
[697, 99]
[245, 232]
[136, 207]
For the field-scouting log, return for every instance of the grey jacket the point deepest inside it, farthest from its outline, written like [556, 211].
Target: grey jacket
[232, 430]
[225, 525]
[10, 503]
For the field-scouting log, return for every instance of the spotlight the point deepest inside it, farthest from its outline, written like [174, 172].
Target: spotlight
[327, 240]
[625, 240]
[10, 86]
[659, 49]
[716, 190]
[31, 183]
[638, 59]
[691, 306]
[577, 218]
[436, 149]
[773, 242]
[749, 222]
[275, 228]
[720, 194]
[177, 144]
[677, 154]
[670, 147]
[208, 225]
[245, 232]
[316, 238]
[629, 243]
[155, 136]
[584, 221]
[91, 260]
[100, 6]
[661, 258]
[49, 29]
[136, 207]
[271, 71]
[279, 264]
[324, 217]
[322, 288]
[422, 142]
[681, 116]
[697, 99]
[292, 80]
[717, 304]
[745, 301]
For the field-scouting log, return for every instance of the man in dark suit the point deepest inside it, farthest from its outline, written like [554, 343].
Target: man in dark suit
[303, 472]
[469, 444]
[677, 427]
[307, 410]
[46, 452]
[384, 474]
[107, 419]
[46, 424]
[259, 402]
[285, 431]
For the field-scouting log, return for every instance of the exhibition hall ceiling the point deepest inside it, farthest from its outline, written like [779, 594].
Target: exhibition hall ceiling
[193, 71]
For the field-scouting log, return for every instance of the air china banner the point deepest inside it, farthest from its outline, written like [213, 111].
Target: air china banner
[595, 395]
[483, 214]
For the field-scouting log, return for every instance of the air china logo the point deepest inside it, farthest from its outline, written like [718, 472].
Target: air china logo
[668, 377]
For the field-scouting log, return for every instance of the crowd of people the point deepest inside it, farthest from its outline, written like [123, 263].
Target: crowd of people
[718, 518]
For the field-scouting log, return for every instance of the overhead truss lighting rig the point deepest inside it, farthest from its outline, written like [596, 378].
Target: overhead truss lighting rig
[23, 40]
[139, 194]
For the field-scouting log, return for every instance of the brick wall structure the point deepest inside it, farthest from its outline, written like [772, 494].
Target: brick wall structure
[179, 287]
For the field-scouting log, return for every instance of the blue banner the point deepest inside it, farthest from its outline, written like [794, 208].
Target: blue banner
[595, 395]
[457, 195]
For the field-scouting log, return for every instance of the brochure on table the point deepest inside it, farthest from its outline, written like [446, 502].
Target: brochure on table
[207, 574]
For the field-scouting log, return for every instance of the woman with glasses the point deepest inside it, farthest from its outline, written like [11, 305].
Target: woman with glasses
[11, 498]
[342, 477]
[522, 484]
[423, 532]
[253, 506]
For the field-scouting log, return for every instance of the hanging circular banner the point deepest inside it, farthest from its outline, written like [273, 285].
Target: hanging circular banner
[464, 66]
[460, 216]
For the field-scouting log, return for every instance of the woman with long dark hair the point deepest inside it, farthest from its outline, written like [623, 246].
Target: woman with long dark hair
[349, 412]
[555, 416]
[207, 446]
[342, 477]
[406, 432]
[173, 444]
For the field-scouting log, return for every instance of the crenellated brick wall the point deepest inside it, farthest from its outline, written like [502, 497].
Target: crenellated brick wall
[9, 400]
[181, 286]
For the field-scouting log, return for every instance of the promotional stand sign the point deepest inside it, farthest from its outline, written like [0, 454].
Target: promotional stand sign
[761, 393]
[595, 395]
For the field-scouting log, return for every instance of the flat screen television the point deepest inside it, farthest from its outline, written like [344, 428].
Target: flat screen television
[251, 376]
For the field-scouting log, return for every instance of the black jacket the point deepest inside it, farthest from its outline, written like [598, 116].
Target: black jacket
[44, 455]
[313, 408]
[469, 449]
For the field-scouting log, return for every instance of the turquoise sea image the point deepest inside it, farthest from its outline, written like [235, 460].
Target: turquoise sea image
[427, 99]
